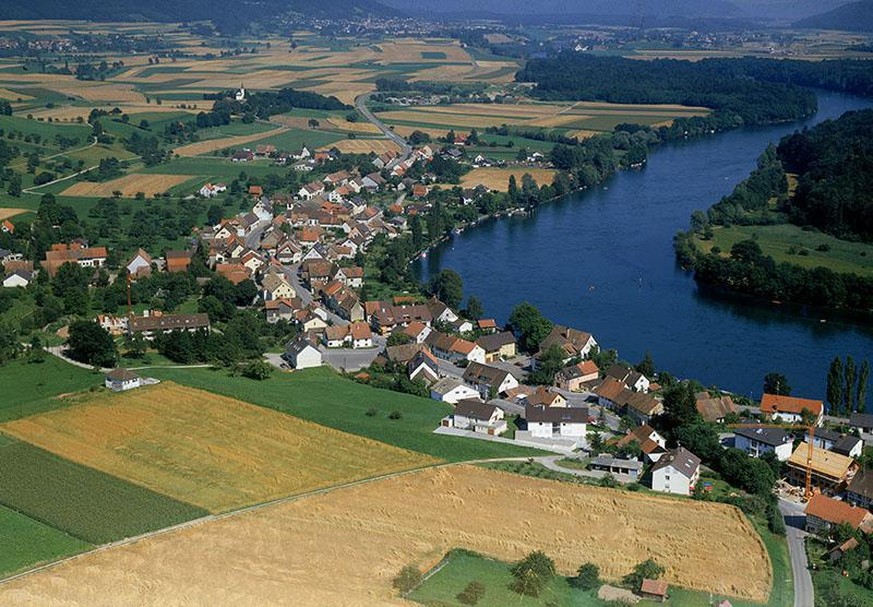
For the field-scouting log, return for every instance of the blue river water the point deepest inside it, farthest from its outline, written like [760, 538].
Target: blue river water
[602, 261]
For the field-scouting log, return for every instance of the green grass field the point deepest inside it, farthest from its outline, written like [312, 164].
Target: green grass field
[462, 567]
[323, 397]
[775, 241]
[294, 139]
[27, 543]
[31, 388]
[81, 501]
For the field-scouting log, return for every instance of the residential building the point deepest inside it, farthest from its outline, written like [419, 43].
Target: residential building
[571, 378]
[844, 444]
[651, 443]
[274, 286]
[418, 331]
[488, 380]
[18, 278]
[862, 422]
[860, 490]
[676, 472]
[149, 326]
[140, 265]
[823, 513]
[452, 348]
[85, 257]
[119, 380]
[476, 416]
[714, 408]
[572, 341]
[281, 309]
[452, 391]
[177, 261]
[302, 353]
[423, 366]
[542, 396]
[634, 380]
[789, 408]
[556, 422]
[758, 441]
[608, 392]
[498, 346]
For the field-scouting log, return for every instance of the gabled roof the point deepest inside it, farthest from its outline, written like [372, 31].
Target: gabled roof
[826, 463]
[485, 374]
[862, 484]
[495, 341]
[777, 403]
[447, 384]
[715, 408]
[567, 415]
[861, 420]
[475, 409]
[609, 389]
[835, 511]
[769, 436]
[681, 460]
[122, 375]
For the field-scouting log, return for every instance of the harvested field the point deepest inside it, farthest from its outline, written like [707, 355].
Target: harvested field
[13, 96]
[344, 547]
[215, 452]
[7, 212]
[128, 185]
[213, 145]
[99, 93]
[498, 179]
[364, 146]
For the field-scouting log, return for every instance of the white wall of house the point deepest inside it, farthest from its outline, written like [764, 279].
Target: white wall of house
[14, 280]
[670, 480]
[757, 448]
[309, 357]
[455, 395]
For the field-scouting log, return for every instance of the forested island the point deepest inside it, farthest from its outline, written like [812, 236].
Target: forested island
[816, 182]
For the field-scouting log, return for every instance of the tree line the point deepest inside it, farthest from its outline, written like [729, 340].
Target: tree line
[847, 386]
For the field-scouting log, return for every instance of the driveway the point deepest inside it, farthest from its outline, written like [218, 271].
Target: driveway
[794, 522]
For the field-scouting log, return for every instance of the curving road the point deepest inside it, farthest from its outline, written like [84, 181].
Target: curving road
[406, 149]
[795, 535]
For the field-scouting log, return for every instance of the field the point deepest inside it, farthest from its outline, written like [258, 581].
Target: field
[27, 542]
[364, 146]
[498, 179]
[776, 240]
[29, 389]
[211, 451]
[80, 501]
[214, 145]
[364, 534]
[129, 185]
[7, 212]
[323, 397]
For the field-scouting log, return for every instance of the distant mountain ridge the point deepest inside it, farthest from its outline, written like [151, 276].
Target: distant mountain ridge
[227, 14]
[854, 17]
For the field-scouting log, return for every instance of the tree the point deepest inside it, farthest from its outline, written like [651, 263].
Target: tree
[258, 369]
[36, 354]
[680, 406]
[448, 288]
[9, 344]
[863, 379]
[836, 380]
[776, 383]
[532, 573]
[647, 570]
[472, 593]
[849, 398]
[214, 214]
[701, 439]
[398, 338]
[474, 310]
[748, 473]
[530, 326]
[551, 361]
[91, 344]
[647, 365]
[587, 577]
[408, 579]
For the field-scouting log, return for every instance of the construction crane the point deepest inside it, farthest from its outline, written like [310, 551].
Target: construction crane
[810, 430]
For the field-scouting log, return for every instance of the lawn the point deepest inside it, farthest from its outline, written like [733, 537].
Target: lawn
[27, 543]
[31, 388]
[83, 502]
[323, 397]
[294, 139]
[824, 576]
[461, 567]
[776, 240]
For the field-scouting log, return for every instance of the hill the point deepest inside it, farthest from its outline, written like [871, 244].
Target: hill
[855, 17]
[228, 15]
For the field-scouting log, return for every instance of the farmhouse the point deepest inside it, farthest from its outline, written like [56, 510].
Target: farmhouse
[758, 441]
[487, 379]
[831, 472]
[614, 465]
[654, 589]
[149, 326]
[638, 405]
[497, 346]
[85, 257]
[452, 391]
[676, 472]
[789, 408]
[302, 354]
[714, 408]
[119, 380]
[608, 392]
[477, 416]
[556, 422]
[140, 265]
[7, 227]
[177, 261]
[571, 378]
[212, 190]
[823, 513]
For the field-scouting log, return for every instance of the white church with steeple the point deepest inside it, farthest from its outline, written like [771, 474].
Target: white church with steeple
[241, 93]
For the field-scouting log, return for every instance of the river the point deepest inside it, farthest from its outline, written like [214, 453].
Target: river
[602, 261]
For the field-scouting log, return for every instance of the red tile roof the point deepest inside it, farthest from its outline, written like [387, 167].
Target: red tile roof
[773, 403]
[835, 511]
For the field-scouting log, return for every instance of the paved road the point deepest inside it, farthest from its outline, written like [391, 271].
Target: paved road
[794, 521]
[306, 295]
[406, 149]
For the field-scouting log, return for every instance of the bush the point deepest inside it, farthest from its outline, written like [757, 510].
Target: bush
[587, 577]
[372, 412]
[472, 593]
[408, 579]
[258, 370]
[532, 573]
[395, 415]
[648, 569]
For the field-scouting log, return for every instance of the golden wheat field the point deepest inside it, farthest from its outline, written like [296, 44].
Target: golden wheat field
[498, 179]
[129, 185]
[215, 452]
[213, 145]
[344, 547]
[363, 146]
[7, 212]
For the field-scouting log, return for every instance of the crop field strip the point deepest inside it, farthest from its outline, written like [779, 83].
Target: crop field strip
[27, 542]
[364, 534]
[128, 185]
[81, 501]
[211, 451]
[498, 179]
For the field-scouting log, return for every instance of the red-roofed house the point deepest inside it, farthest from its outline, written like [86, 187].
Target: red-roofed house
[790, 408]
[823, 513]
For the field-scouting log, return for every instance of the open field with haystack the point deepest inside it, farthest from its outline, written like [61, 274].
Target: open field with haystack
[129, 185]
[364, 534]
[211, 451]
